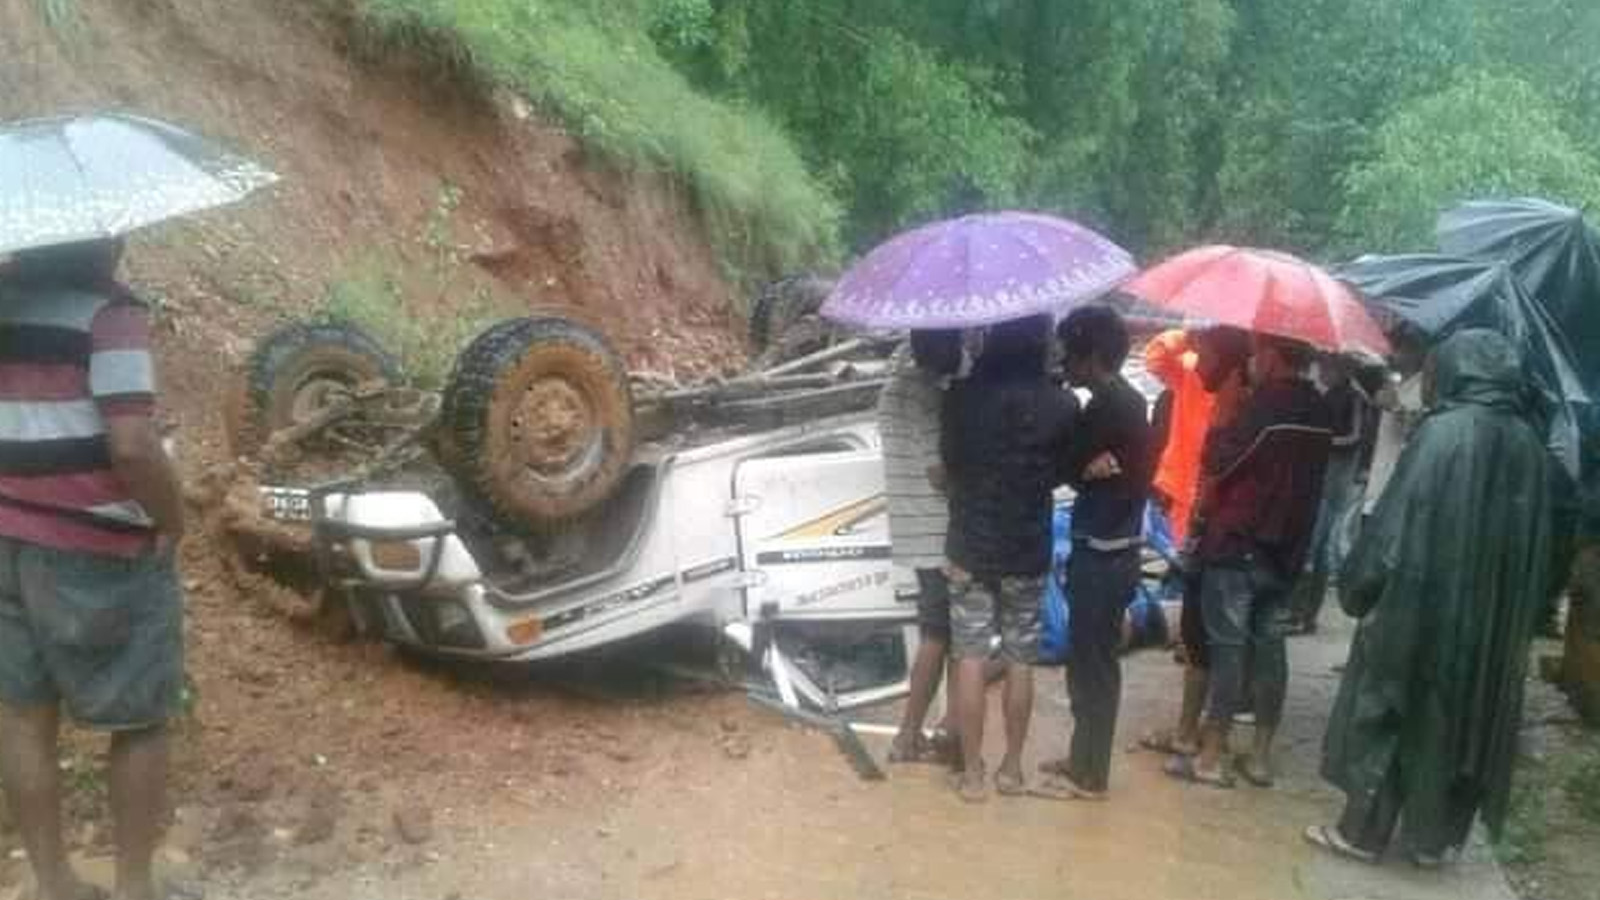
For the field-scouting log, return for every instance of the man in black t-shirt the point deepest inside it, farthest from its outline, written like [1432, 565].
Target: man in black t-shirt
[1109, 461]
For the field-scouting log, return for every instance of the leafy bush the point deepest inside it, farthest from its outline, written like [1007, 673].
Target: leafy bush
[370, 296]
[595, 67]
[1489, 136]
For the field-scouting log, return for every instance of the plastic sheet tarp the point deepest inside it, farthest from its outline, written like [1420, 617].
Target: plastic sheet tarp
[1439, 295]
[1553, 253]
[1146, 614]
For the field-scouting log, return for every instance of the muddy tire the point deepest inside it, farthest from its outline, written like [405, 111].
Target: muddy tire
[780, 305]
[296, 371]
[537, 423]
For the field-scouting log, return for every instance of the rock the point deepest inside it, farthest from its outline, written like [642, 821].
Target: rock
[414, 824]
[736, 746]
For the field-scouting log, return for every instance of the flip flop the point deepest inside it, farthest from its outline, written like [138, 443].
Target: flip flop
[1065, 790]
[1007, 785]
[921, 751]
[970, 790]
[1331, 840]
[1165, 742]
[1056, 767]
[1182, 768]
[1241, 767]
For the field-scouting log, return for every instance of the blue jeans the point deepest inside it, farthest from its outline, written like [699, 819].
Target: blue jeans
[1247, 617]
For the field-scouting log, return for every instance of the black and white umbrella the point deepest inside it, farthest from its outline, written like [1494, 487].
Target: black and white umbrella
[78, 178]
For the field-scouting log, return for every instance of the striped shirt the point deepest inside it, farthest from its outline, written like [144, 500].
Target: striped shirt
[908, 421]
[69, 359]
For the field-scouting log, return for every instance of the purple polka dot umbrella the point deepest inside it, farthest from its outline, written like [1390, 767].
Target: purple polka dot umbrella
[978, 270]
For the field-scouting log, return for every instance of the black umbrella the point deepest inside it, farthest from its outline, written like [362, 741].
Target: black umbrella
[1551, 250]
[1439, 295]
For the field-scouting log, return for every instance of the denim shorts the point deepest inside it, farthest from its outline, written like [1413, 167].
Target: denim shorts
[100, 635]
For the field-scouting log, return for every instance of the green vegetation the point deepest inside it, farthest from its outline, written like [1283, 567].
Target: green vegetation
[1422, 160]
[594, 66]
[370, 296]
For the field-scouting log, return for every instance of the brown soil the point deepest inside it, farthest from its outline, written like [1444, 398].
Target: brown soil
[303, 753]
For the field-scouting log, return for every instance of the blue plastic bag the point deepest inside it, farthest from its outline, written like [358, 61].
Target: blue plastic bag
[1147, 618]
[1054, 618]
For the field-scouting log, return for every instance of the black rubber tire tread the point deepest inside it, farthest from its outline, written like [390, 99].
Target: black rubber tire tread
[281, 362]
[498, 364]
[779, 304]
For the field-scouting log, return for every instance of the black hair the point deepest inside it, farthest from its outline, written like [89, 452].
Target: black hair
[1298, 355]
[1096, 331]
[938, 352]
[1021, 345]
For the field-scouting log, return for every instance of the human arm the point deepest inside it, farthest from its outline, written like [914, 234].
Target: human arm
[142, 464]
[123, 384]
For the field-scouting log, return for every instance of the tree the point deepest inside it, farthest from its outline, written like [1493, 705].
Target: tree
[1490, 136]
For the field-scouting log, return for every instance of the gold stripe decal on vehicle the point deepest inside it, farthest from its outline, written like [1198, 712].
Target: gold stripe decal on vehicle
[840, 522]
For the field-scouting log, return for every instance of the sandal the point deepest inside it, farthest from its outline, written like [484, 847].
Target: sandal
[1008, 785]
[1183, 768]
[1331, 840]
[1064, 789]
[1167, 744]
[1242, 768]
[1057, 767]
[970, 788]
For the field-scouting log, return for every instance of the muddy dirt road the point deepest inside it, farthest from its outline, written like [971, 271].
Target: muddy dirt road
[704, 797]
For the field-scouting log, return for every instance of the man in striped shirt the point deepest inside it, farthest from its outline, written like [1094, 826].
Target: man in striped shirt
[919, 516]
[90, 511]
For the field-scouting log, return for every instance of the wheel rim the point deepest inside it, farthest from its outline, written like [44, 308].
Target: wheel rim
[553, 430]
[315, 394]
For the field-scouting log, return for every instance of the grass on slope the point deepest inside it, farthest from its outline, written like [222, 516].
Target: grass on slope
[592, 64]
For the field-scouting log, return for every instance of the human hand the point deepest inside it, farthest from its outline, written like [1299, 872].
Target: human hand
[1102, 467]
[939, 478]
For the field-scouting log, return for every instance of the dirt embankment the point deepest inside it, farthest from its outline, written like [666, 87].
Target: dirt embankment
[300, 748]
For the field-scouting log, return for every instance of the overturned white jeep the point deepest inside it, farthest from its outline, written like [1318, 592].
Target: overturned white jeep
[548, 502]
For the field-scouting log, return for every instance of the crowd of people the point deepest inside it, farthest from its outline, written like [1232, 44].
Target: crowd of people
[1417, 494]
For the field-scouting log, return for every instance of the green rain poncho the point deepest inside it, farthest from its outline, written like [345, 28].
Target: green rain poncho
[1448, 579]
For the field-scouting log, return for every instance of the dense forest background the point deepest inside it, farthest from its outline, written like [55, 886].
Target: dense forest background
[806, 126]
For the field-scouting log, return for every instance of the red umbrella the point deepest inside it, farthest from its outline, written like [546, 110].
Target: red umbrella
[1263, 291]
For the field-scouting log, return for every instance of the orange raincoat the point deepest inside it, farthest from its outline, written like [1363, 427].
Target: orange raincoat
[1169, 358]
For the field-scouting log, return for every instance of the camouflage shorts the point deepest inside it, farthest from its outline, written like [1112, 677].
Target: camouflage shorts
[981, 608]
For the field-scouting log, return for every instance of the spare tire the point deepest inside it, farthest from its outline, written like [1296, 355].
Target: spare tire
[537, 422]
[296, 371]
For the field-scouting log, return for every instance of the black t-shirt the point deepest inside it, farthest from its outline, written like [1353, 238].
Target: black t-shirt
[1114, 421]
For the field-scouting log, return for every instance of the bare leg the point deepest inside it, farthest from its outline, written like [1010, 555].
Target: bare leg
[1213, 747]
[925, 672]
[29, 767]
[1195, 684]
[138, 807]
[969, 698]
[1018, 707]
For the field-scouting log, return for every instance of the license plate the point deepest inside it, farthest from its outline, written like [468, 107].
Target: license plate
[286, 504]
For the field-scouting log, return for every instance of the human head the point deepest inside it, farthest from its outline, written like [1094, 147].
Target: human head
[937, 352]
[1275, 358]
[1094, 342]
[84, 263]
[1164, 356]
[1021, 345]
[1223, 352]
